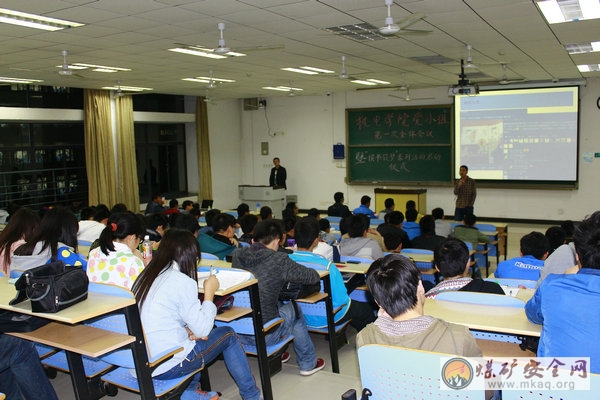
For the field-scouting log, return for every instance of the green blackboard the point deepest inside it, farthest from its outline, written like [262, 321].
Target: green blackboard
[400, 145]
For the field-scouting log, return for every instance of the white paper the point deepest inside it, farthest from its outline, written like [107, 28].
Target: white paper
[227, 277]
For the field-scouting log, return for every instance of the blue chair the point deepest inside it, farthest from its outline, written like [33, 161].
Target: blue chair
[480, 298]
[376, 222]
[244, 244]
[122, 375]
[493, 249]
[390, 372]
[332, 219]
[427, 268]
[208, 256]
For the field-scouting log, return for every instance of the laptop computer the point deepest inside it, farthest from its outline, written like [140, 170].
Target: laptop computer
[206, 204]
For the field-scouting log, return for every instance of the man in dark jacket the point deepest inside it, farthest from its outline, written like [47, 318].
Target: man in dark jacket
[273, 270]
[338, 209]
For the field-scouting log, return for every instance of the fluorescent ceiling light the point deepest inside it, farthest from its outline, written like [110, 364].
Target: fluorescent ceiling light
[282, 88]
[589, 67]
[35, 21]
[207, 79]
[558, 11]
[73, 66]
[364, 82]
[18, 80]
[319, 70]
[300, 71]
[127, 88]
[581, 48]
[202, 52]
[378, 82]
[99, 68]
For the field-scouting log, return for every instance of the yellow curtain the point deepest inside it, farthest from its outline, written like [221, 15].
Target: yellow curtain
[127, 188]
[205, 191]
[99, 149]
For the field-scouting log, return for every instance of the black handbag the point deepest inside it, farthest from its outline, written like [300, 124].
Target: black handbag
[52, 287]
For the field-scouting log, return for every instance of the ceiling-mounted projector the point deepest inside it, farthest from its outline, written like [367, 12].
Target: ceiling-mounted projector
[469, 90]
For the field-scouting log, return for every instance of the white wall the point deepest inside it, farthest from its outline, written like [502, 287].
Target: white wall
[301, 131]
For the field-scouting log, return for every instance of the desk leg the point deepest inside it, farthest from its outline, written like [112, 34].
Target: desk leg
[80, 386]
[140, 354]
[335, 365]
[261, 347]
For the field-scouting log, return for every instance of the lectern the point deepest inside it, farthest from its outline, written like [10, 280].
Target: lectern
[262, 195]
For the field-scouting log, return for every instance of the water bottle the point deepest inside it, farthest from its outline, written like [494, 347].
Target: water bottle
[147, 248]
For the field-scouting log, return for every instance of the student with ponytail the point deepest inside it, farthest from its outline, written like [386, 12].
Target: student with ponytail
[118, 261]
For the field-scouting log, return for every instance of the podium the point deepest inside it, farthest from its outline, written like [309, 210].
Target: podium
[262, 195]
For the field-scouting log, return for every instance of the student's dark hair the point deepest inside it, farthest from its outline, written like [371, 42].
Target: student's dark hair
[223, 221]
[388, 203]
[57, 225]
[535, 244]
[395, 217]
[173, 203]
[119, 207]
[306, 231]
[365, 199]
[357, 225]
[465, 167]
[101, 214]
[276, 158]
[248, 222]
[569, 227]
[587, 238]
[177, 245]
[288, 211]
[313, 212]
[242, 209]
[155, 220]
[410, 204]
[210, 216]
[338, 196]
[556, 236]
[392, 242]
[87, 213]
[438, 213]
[266, 212]
[156, 195]
[393, 281]
[187, 222]
[195, 211]
[187, 203]
[268, 230]
[289, 223]
[22, 225]
[427, 224]
[119, 226]
[451, 257]
[343, 225]
[411, 214]
[470, 219]
[324, 224]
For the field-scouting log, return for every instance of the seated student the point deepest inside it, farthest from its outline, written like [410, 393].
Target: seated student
[389, 207]
[274, 269]
[247, 223]
[392, 228]
[467, 232]
[556, 236]
[173, 207]
[118, 207]
[452, 260]
[23, 223]
[360, 314]
[365, 203]
[427, 239]
[156, 204]
[156, 226]
[223, 241]
[242, 209]
[358, 244]
[324, 232]
[338, 209]
[411, 226]
[55, 239]
[395, 283]
[562, 261]
[411, 205]
[567, 305]
[313, 212]
[534, 250]
[290, 211]
[442, 227]
[89, 229]
[118, 261]
[266, 213]
[187, 205]
[22, 375]
[189, 223]
[209, 218]
[172, 315]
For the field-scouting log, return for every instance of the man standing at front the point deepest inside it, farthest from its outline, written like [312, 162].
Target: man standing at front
[278, 175]
[465, 192]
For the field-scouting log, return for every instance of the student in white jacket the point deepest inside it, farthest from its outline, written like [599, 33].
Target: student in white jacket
[172, 316]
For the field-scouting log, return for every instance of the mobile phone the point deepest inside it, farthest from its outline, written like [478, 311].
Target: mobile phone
[352, 262]
[290, 242]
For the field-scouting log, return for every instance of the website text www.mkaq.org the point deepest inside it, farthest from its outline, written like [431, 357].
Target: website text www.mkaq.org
[534, 384]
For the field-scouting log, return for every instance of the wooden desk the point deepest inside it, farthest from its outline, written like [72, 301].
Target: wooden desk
[506, 320]
[95, 305]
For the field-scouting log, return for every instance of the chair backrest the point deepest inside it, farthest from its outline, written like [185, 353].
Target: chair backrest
[486, 228]
[395, 372]
[418, 251]
[419, 264]
[244, 244]
[481, 298]
[357, 259]
[333, 219]
[376, 222]
[208, 256]
[2, 274]
[514, 282]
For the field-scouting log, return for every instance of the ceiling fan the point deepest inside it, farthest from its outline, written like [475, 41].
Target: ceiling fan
[505, 80]
[407, 96]
[121, 91]
[401, 27]
[65, 68]
[208, 99]
[225, 51]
